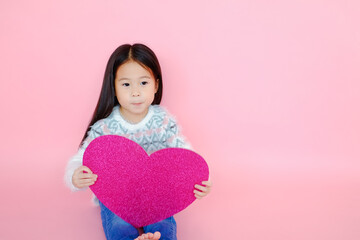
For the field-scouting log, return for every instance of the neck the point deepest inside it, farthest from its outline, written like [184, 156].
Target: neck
[132, 118]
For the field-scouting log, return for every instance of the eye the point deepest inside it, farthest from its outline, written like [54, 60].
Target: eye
[125, 84]
[144, 83]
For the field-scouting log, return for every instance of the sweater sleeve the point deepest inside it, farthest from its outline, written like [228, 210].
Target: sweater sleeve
[74, 163]
[77, 160]
[174, 137]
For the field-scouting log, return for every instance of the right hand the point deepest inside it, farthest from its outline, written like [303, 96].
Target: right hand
[83, 177]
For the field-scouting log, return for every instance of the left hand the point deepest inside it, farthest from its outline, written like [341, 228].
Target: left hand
[202, 191]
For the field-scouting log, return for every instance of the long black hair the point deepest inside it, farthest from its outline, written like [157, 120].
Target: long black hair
[107, 99]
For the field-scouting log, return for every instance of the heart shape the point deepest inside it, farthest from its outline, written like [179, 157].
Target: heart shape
[139, 188]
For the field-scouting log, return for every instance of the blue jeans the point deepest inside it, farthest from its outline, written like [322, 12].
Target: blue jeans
[117, 229]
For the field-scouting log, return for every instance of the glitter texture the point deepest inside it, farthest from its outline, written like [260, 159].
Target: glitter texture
[143, 189]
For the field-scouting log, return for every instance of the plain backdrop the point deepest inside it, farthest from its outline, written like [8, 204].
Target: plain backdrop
[268, 92]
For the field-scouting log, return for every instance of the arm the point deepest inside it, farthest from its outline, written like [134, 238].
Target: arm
[175, 139]
[75, 177]
[74, 163]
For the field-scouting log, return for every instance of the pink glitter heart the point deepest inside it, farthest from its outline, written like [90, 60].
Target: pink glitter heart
[139, 188]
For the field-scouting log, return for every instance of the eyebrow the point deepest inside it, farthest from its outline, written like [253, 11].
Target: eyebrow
[125, 78]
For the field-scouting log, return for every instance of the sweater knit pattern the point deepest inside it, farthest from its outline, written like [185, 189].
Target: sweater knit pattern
[158, 130]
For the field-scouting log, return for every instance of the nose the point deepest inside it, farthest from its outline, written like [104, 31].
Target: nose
[135, 92]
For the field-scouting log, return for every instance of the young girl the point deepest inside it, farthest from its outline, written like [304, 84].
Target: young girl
[129, 106]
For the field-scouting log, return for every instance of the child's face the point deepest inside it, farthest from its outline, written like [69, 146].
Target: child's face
[135, 88]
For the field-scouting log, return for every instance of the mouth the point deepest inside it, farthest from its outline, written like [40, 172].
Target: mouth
[136, 104]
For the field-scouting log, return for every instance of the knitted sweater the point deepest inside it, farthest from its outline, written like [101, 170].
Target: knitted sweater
[156, 131]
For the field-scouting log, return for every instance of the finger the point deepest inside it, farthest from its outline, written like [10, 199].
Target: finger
[201, 194]
[81, 177]
[88, 170]
[83, 168]
[202, 188]
[86, 181]
[87, 175]
[83, 185]
[207, 183]
[198, 197]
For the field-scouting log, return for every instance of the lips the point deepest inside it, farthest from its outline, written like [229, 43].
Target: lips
[136, 104]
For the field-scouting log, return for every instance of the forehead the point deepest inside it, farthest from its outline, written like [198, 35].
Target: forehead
[132, 69]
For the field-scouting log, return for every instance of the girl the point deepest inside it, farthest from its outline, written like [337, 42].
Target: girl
[129, 106]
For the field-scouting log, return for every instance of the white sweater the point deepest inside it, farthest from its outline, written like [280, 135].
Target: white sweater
[156, 131]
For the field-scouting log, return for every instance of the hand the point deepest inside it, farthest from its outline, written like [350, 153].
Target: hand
[203, 190]
[82, 179]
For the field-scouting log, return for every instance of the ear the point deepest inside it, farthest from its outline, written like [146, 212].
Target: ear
[156, 85]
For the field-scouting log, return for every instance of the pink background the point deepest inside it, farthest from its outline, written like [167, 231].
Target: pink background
[267, 91]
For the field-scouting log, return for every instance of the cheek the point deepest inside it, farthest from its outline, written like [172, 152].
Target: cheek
[155, 88]
[152, 92]
[120, 95]
[119, 90]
